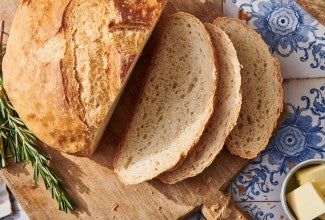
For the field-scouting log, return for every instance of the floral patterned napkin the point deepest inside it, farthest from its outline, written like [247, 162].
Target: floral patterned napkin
[299, 138]
[10, 209]
[5, 205]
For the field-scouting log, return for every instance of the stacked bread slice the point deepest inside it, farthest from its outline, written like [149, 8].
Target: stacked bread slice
[261, 90]
[225, 113]
[175, 105]
[185, 115]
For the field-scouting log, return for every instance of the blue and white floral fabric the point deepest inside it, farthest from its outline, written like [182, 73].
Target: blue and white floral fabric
[5, 205]
[299, 138]
[298, 40]
[9, 207]
[292, 35]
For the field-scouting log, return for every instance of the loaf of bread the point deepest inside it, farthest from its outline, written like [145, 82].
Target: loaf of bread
[225, 113]
[261, 90]
[176, 103]
[67, 62]
[315, 7]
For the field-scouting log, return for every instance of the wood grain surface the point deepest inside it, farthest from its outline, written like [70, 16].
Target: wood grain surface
[91, 182]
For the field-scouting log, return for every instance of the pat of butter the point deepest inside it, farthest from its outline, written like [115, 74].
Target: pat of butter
[306, 202]
[315, 174]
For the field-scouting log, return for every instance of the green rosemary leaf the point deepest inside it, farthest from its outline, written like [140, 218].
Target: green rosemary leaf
[36, 172]
[12, 147]
[2, 154]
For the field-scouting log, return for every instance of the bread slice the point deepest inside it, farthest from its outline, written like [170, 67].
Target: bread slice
[261, 90]
[67, 63]
[225, 114]
[315, 7]
[175, 105]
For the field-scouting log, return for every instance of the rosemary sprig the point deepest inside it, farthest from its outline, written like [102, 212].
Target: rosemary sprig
[22, 145]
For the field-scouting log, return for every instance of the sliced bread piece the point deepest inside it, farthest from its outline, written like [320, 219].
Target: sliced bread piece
[175, 105]
[261, 90]
[225, 114]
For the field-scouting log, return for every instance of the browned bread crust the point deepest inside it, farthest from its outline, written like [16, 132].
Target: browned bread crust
[315, 7]
[261, 89]
[67, 61]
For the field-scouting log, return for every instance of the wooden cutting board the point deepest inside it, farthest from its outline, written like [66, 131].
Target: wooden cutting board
[91, 182]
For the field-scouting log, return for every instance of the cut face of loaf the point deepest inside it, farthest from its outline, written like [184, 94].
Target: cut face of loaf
[67, 62]
[225, 113]
[261, 90]
[175, 105]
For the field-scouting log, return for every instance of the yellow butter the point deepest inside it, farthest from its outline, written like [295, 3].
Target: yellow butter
[306, 202]
[315, 174]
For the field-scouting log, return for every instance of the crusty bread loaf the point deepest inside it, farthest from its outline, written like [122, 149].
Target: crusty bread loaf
[261, 90]
[175, 105]
[67, 61]
[225, 113]
[315, 7]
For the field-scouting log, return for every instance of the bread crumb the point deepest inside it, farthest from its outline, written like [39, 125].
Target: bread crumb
[115, 206]
[291, 165]
[203, 1]
[209, 180]
[227, 213]
[242, 15]
[215, 207]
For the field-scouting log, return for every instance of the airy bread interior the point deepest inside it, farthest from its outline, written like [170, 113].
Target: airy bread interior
[175, 105]
[225, 113]
[261, 90]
